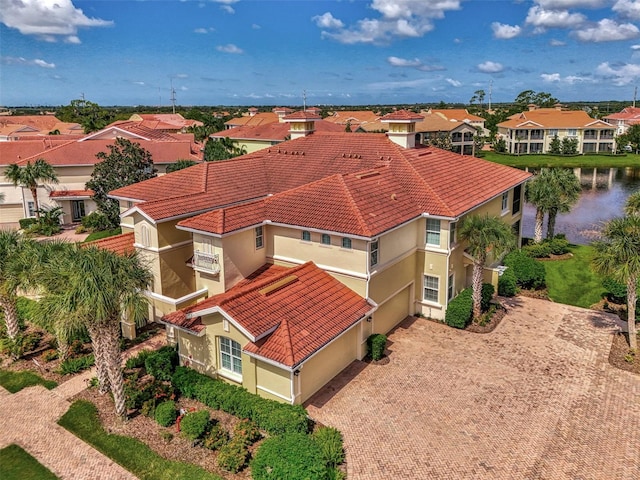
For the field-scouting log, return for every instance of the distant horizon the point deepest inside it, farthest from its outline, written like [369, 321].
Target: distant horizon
[268, 52]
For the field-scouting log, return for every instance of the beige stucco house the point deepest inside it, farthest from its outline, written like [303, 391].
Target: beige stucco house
[371, 217]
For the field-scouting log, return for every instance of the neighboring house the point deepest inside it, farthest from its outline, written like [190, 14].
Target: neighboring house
[73, 162]
[164, 122]
[19, 127]
[254, 138]
[624, 119]
[461, 115]
[372, 212]
[354, 118]
[255, 118]
[533, 131]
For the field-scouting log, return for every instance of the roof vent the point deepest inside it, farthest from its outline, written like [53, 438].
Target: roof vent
[279, 285]
[372, 173]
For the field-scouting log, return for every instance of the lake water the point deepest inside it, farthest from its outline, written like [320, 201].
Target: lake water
[604, 193]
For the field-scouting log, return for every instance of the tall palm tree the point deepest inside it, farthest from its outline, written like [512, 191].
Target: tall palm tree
[565, 192]
[99, 287]
[632, 205]
[10, 243]
[618, 256]
[484, 235]
[29, 176]
[538, 193]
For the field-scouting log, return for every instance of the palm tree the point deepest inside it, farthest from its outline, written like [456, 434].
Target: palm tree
[96, 288]
[10, 242]
[565, 192]
[618, 256]
[632, 205]
[29, 176]
[484, 235]
[538, 193]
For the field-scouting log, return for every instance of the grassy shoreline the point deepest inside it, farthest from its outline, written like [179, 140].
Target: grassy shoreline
[583, 161]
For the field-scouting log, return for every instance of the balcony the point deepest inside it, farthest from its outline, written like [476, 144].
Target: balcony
[206, 262]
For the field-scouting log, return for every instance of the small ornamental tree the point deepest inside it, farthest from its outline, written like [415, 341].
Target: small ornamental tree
[555, 146]
[29, 176]
[125, 164]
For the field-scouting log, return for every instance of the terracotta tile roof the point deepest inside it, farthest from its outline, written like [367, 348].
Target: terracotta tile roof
[13, 152]
[39, 122]
[553, 118]
[70, 193]
[353, 117]
[142, 130]
[630, 115]
[430, 123]
[401, 115]
[119, 244]
[458, 114]
[80, 152]
[291, 314]
[302, 115]
[257, 119]
[276, 132]
[164, 121]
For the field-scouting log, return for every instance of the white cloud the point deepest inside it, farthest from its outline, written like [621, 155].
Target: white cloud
[607, 30]
[627, 9]
[326, 20]
[453, 83]
[542, 19]
[228, 8]
[181, 75]
[139, 83]
[398, 19]
[201, 30]
[413, 63]
[566, 4]
[557, 43]
[36, 62]
[505, 32]
[74, 39]
[47, 19]
[635, 47]
[255, 26]
[557, 78]
[229, 48]
[490, 67]
[619, 74]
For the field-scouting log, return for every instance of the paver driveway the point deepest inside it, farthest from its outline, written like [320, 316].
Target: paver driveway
[534, 399]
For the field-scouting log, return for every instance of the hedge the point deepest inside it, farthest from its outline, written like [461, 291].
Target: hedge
[460, 309]
[162, 363]
[273, 417]
[376, 344]
[507, 286]
[194, 425]
[166, 413]
[528, 271]
[27, 222]
[289, 456]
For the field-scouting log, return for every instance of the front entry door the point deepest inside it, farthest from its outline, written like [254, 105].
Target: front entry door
[77, 210]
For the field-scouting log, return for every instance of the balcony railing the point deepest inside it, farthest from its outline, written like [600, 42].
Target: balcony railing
[206, 261]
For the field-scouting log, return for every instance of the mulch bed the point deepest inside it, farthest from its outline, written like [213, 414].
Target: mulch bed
[149, 432]
[495, 320]
[618, 352]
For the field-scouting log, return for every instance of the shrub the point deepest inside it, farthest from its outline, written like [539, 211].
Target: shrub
[292, 455]
[216, 437]
[537, 250]
[49, 355]
[28, 310]
[270, 415]
[162, 363]
[616, 292]
[148, 408]
[96, 221]
[166, 413]
[486, 296]
[247, 431]
[194, 424]
[23, 343]
[233, 456]
[27, 222]
[329, 440]
[558, 245]
[376, 344]
[507, 286]
[78, 364]
[137, 394]
[459, 310]
[528, 271]
[138, 360]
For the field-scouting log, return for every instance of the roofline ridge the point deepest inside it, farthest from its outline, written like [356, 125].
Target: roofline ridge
[289, 344]
[354, 205]
[39, 154]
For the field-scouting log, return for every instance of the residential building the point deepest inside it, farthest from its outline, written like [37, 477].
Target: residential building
[354, 118]
[19, 127]
[624, 119]
[164, 122]
[272, 269]
[533, 131]
[461, 115]
[254, 118]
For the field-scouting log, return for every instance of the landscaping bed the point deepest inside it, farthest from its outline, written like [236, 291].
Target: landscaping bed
[619, 356]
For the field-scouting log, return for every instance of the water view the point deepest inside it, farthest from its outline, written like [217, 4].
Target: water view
[604, 193]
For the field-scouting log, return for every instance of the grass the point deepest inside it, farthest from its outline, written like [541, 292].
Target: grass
[16, 464]
[103, 234]
[16, 381]
[82, 420]
[572, 281]
[585, 161]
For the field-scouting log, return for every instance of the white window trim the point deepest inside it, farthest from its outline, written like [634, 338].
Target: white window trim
[302, 239]
[322, 237]
[453, 240]
[225, 372]
[350, 247]
[451, 283]
[505, 203]
[427, 231]
[377, 250]
[437, 277]
[260, 236]
[31, 209]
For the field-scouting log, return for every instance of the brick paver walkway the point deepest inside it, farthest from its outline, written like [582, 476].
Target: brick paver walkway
[534, 399]
[30, 420]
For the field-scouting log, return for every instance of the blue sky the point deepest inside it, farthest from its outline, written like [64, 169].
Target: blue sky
[267, 52]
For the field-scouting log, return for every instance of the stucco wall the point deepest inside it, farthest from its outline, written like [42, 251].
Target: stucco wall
[240, 256]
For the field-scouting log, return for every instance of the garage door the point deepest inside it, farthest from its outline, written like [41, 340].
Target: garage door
[392, 312]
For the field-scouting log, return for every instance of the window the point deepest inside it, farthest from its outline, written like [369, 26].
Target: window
[433, 232]
[259, 238]
[31, 208]
[346, 242]
[452, 233]
[306, 236]
[325, 239]
[505, 201]
[450, 288]
[553, 132]
[145, 237]
[572, 132]
[230, 355]
[517, 193]
[373, 253]
[430, 288]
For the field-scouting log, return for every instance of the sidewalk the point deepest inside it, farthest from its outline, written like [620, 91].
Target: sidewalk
[32, 424]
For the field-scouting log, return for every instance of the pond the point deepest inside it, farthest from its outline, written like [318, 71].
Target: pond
[604, 193]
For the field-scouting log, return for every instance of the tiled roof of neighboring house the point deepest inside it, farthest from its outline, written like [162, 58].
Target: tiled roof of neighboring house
[353, 117]
[289, 315]
[370, 202]
[164, 121]
[439, 182]
[80, 152]
[119, 244]
[459, 114]
[277, 132]
[139, 129]
[13, 152]
[430, 123]
[68, 194]
[254, 120]
[43, 123]
[303, 115]
[630, 115]
[552, 118]
[401, 115]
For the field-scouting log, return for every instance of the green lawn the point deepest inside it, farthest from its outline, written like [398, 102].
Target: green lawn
[103, 234]
[16, 381]
[571, 281]
[82, 420]
[16, 464]
[585, 161]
